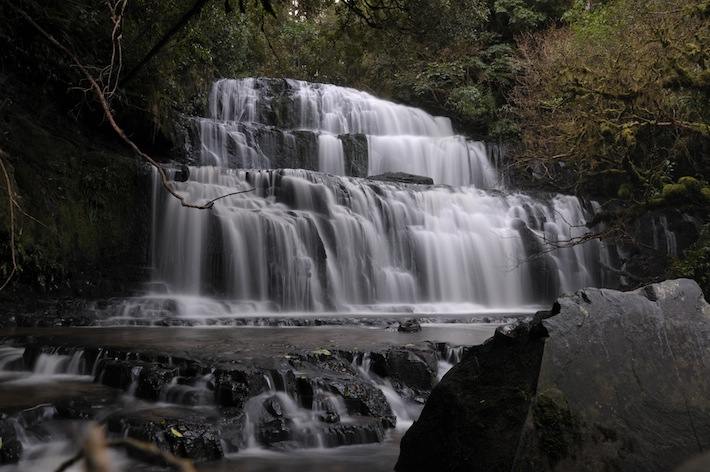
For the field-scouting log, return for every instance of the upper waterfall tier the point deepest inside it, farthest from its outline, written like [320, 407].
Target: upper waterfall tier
[295, 104]
[280, 123]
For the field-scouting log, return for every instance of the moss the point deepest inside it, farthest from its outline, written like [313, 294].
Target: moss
[695, 262]
[674, 191]
[625, 191]
[557, 429]
[690, 183]
[87, 198]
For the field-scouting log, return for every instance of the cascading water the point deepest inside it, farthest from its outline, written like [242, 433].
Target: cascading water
[262, 123]
[309, 241]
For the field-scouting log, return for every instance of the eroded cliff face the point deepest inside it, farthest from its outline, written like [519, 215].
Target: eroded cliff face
[615, 381]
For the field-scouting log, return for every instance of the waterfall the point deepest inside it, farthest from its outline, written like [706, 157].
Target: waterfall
[256, 123]
[331, 158]
[321, 241]
[310, 241]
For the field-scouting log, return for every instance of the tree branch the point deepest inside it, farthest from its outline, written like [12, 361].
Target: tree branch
[95, 447]
[165, 39]
[98, 91]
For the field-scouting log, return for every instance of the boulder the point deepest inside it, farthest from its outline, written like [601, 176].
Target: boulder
[606, 381]
[153, 379]
[409, 326]
[412, 367]
[361, 398]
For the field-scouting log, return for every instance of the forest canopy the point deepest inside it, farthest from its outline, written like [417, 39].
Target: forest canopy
[603, 98]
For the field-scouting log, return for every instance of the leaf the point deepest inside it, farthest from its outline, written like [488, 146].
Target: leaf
[175, 433]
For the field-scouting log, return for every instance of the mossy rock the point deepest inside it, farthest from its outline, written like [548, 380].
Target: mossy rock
[557, 429]
[690, 183]
[672, 192]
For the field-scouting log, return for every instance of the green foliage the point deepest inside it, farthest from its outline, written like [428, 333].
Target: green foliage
[472, 103]
[215, 44]
[620, 95]
[695, 263]
[519, 15]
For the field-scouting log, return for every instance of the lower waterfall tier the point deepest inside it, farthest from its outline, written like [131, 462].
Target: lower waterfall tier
[306, 241]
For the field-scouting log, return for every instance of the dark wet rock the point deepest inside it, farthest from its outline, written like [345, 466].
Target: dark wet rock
[273, 431]
[84, 402]
[115, 373]
[153, 379]
[182, 173]
[180, 431]
[409, 326]
[10, 445]
[403, 178]
[329, 416]
[415, 368]
[355, 151]
[234, 386]
[541, 268]
[273, 406]
[474, 415]
[357, 432]
[620, 384]
[362, 398]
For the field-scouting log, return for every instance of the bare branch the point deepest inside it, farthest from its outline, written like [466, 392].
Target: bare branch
[95, 447]
[103, 101]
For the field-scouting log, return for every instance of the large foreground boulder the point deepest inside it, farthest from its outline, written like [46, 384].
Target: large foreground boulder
[606, 381]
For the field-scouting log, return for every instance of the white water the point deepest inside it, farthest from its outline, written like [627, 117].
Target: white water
[404, 411]
[239, 132]
[331, 158]
[311, 242]
[308, 241]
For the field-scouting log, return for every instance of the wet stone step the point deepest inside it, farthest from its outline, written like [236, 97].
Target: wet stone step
[202, 394]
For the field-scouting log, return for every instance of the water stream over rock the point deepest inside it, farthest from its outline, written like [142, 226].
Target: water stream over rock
[308, 240]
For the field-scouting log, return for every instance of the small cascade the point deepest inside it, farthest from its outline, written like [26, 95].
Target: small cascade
[277, 419]
[301, 412]
[458, 162]
[53, 363]
[331, 157]
[664, 239]
[135, 379]
[451, 356]
[189, 392]
[405, 411]
[10, 357]
[329, 407]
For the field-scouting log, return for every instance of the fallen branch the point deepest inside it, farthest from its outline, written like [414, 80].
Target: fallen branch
[94, 452]
[98, 91]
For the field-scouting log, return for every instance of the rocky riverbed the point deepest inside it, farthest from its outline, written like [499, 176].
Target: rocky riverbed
[224, 394]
